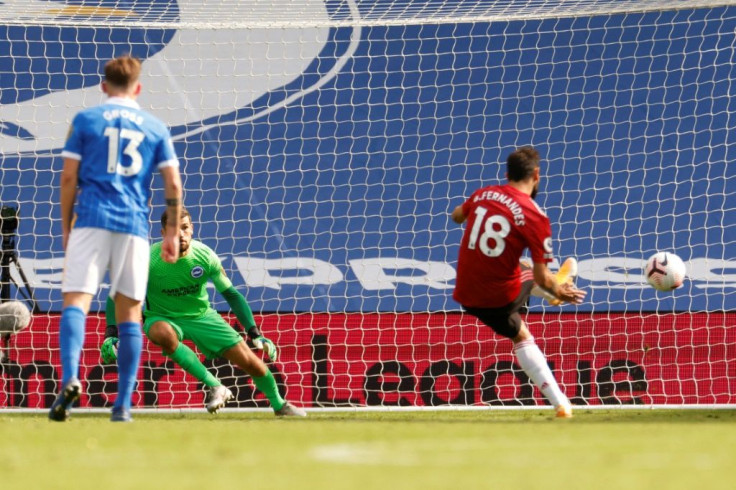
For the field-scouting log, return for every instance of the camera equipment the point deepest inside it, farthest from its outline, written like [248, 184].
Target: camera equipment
[9, 220]
[9, 231]
[8, 227]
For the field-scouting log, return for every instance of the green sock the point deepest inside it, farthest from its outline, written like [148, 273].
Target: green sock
[267, 385]
[188, 360]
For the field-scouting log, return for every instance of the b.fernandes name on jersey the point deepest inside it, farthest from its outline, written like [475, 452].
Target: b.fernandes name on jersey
[512, 205]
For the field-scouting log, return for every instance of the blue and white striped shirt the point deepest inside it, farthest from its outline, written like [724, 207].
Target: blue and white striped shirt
[118, 146]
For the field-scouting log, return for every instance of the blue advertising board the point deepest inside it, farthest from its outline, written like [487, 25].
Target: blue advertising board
[325, 178]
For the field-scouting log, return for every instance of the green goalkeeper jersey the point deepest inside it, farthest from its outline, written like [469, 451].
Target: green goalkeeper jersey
[180, 289]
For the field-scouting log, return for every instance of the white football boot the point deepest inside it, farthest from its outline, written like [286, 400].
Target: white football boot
[289, 410]
[217, 398]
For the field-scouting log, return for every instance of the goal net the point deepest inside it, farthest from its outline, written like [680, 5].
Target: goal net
[323, 145]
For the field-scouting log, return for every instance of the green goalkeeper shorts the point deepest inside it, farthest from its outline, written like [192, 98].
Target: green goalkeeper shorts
[210, 333]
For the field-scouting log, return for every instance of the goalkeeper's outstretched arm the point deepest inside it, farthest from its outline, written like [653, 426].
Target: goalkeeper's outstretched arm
[244, 314]
[240, 307]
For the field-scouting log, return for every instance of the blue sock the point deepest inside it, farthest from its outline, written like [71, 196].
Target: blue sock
[71, 340]
[129, 357]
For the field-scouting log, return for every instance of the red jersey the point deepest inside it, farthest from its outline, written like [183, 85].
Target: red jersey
[501, 222]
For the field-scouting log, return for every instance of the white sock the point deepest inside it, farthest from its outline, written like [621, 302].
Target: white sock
[534, 364]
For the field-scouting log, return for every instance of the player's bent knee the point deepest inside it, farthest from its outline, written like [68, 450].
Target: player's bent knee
[163, 336]
[505, 326]
[245, 359]
[127, 309]
[255, 366]
[79, 300]
[524, 334]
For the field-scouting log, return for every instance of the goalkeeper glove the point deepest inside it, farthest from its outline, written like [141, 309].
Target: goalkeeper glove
[266, 345]
[262, 343]
[109, 350]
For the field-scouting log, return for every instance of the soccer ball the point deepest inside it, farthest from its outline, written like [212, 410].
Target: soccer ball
[665, 271]
[14, 317]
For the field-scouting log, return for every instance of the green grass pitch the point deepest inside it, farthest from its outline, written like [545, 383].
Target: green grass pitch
[629, 449]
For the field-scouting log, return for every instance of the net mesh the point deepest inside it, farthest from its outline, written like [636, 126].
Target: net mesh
[323, 145]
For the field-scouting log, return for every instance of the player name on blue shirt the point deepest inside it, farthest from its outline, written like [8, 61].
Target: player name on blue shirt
[119, 146]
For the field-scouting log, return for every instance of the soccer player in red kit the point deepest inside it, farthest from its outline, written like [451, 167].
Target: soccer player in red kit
[491, 284]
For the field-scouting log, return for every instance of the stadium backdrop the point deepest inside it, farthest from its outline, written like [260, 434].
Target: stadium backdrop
[337, 203]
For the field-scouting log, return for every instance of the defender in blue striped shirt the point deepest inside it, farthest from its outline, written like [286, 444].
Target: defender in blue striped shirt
[109, 158]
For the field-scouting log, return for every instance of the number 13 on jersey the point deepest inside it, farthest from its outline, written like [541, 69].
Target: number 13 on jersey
[134, 138]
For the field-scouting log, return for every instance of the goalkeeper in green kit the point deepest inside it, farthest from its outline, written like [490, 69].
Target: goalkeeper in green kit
[178, 308]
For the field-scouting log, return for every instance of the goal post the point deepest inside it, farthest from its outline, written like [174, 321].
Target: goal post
[324, 144]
